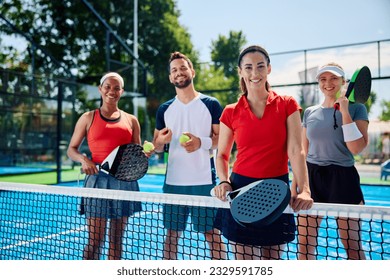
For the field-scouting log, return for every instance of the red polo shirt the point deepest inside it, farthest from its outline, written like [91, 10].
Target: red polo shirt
[261, 143]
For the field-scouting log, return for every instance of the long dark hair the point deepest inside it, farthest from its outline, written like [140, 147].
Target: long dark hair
[252, 49]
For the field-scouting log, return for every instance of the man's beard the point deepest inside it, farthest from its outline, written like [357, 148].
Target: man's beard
[183, 84]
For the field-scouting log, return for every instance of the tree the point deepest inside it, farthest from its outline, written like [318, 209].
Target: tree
[225, 52]
[209, 80]
[220, 78]
[371, 101]
[72, 36]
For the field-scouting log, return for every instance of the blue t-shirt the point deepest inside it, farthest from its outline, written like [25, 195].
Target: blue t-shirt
[197, 118]
[326, 144]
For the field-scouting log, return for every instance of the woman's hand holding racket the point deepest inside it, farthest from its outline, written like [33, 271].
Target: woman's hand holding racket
[88, 167]
[342, 102]
[222, 190]
[126, 162]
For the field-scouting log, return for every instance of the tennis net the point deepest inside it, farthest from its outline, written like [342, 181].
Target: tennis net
[42, 222]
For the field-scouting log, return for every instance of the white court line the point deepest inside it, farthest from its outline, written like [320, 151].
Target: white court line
[71, 231]
[38, 239]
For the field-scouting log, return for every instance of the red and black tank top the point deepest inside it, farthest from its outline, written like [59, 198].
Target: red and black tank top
[104, 135]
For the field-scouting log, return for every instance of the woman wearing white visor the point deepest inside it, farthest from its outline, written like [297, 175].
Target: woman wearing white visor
[331, 138]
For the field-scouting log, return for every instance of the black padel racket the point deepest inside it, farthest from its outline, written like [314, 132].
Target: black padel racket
[359, 87]
[259, 203]
[126, 162]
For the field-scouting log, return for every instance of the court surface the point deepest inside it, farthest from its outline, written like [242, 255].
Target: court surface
[144, 239]
[11, 170]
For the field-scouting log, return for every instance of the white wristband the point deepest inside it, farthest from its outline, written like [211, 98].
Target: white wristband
[206, 143]
[351, 132]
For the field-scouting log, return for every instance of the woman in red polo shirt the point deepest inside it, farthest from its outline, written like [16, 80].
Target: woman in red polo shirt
[266, 128]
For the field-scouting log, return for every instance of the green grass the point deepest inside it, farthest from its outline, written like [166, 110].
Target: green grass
[374, 181]
[370, 181]
[46, 178]
[50, 178]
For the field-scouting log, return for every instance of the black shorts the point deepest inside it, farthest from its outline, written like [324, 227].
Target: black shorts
[335, 184]
[279, 232]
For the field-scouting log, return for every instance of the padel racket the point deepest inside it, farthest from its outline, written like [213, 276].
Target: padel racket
[359, 87]
[126, 162]
[259, 203]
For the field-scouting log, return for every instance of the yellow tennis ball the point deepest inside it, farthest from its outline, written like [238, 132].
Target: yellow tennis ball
[148, 147]
[184, 138]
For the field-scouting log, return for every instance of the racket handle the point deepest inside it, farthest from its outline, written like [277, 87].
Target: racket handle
[347, 93]
[212, 193]
[97, 166]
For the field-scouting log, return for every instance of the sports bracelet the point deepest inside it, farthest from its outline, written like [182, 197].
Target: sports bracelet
[227, 182]
[206, 143]
[351, 132]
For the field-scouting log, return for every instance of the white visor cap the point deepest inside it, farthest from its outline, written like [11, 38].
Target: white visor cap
[331, 69]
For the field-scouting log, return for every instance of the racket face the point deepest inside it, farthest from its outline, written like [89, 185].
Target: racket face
[359, 87]
[262, 203]
[130, 163]
[362, 86]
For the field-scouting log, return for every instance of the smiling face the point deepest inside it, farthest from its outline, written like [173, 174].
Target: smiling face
[180, 73]
[254, 69]
[111, 90]
[330, 84]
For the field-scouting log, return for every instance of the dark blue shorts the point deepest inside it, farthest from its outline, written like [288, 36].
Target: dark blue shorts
[109, 208]
[279, 232]
[335, 184]
[177, 216]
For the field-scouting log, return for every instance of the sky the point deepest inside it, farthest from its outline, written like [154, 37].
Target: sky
[286, 25]
[295, 25]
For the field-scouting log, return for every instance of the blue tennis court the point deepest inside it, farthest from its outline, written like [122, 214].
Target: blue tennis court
[14, 170]
[51, 229]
